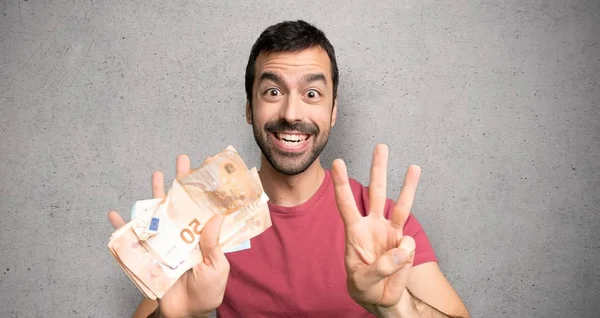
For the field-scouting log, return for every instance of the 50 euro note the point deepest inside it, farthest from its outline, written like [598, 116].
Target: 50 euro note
[252, 227]
[152, 277]
[229, 185]
[144, 209]
[154, 270]
[157, 278]
[223, 185]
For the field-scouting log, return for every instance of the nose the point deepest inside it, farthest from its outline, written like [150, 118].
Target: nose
[293, 109]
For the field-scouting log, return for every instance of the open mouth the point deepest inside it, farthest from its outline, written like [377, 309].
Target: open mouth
[291, 142]
[291, 138]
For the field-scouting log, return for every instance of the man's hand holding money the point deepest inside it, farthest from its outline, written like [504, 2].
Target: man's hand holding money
[199, 290]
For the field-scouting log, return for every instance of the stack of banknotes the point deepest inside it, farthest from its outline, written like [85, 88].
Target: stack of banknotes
[161, 242]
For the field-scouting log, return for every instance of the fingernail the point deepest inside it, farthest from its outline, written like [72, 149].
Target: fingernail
[400, 257]
[409, 252]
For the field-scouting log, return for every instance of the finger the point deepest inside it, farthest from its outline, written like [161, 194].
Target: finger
[407, 195]
[145, 308]
[212, 253]
[387, 264]
[158, 185]
[398, 280]
[377, 184]
[182, 166]
[115, 219]
[343, 194]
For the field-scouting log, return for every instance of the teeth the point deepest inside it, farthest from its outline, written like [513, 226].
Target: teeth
[296, 138]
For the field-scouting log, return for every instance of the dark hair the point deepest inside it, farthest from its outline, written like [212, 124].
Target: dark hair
[289, 36]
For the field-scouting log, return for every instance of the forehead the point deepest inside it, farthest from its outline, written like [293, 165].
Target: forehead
[295, 64]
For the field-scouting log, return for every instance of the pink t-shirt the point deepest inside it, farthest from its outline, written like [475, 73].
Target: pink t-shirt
[296, 267]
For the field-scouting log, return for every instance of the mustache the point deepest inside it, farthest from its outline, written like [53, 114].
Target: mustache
[283, 125]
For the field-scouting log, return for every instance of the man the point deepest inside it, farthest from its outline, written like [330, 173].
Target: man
[336, 248]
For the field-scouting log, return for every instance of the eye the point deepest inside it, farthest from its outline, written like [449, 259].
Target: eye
[273, 92]
[312, 93]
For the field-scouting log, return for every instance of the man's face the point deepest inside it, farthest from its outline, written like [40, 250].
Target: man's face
[292, 108]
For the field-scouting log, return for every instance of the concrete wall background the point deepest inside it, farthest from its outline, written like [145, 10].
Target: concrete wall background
[496, 100]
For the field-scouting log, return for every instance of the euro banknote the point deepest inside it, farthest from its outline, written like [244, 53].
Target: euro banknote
[161, 242]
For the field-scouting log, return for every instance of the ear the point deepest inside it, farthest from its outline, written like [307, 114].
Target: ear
[248, 113]
[334, 113]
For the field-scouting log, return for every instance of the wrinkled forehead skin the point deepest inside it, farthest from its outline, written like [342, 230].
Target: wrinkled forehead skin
[293, 66]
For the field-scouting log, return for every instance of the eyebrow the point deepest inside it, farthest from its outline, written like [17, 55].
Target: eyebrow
[314, 77]
[271, 77]
[308, 78]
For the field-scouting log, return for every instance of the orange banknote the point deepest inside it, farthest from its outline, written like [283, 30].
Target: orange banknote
[161, 243]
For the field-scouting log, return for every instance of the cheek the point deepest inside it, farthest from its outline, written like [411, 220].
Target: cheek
[323, 119]
[264, 113]
[259, 120]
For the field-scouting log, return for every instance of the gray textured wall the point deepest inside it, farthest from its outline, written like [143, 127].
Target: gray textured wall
[496, 100]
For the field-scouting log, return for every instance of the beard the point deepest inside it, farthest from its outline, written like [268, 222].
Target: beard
[290, 163]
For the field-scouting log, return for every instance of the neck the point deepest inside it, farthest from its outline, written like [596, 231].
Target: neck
[284, 190]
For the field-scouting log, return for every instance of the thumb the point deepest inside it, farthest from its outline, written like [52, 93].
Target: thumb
[390, 262]
[209, 238]
[398, 280]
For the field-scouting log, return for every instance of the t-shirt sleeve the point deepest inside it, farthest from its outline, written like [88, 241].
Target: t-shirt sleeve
[424, 251]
